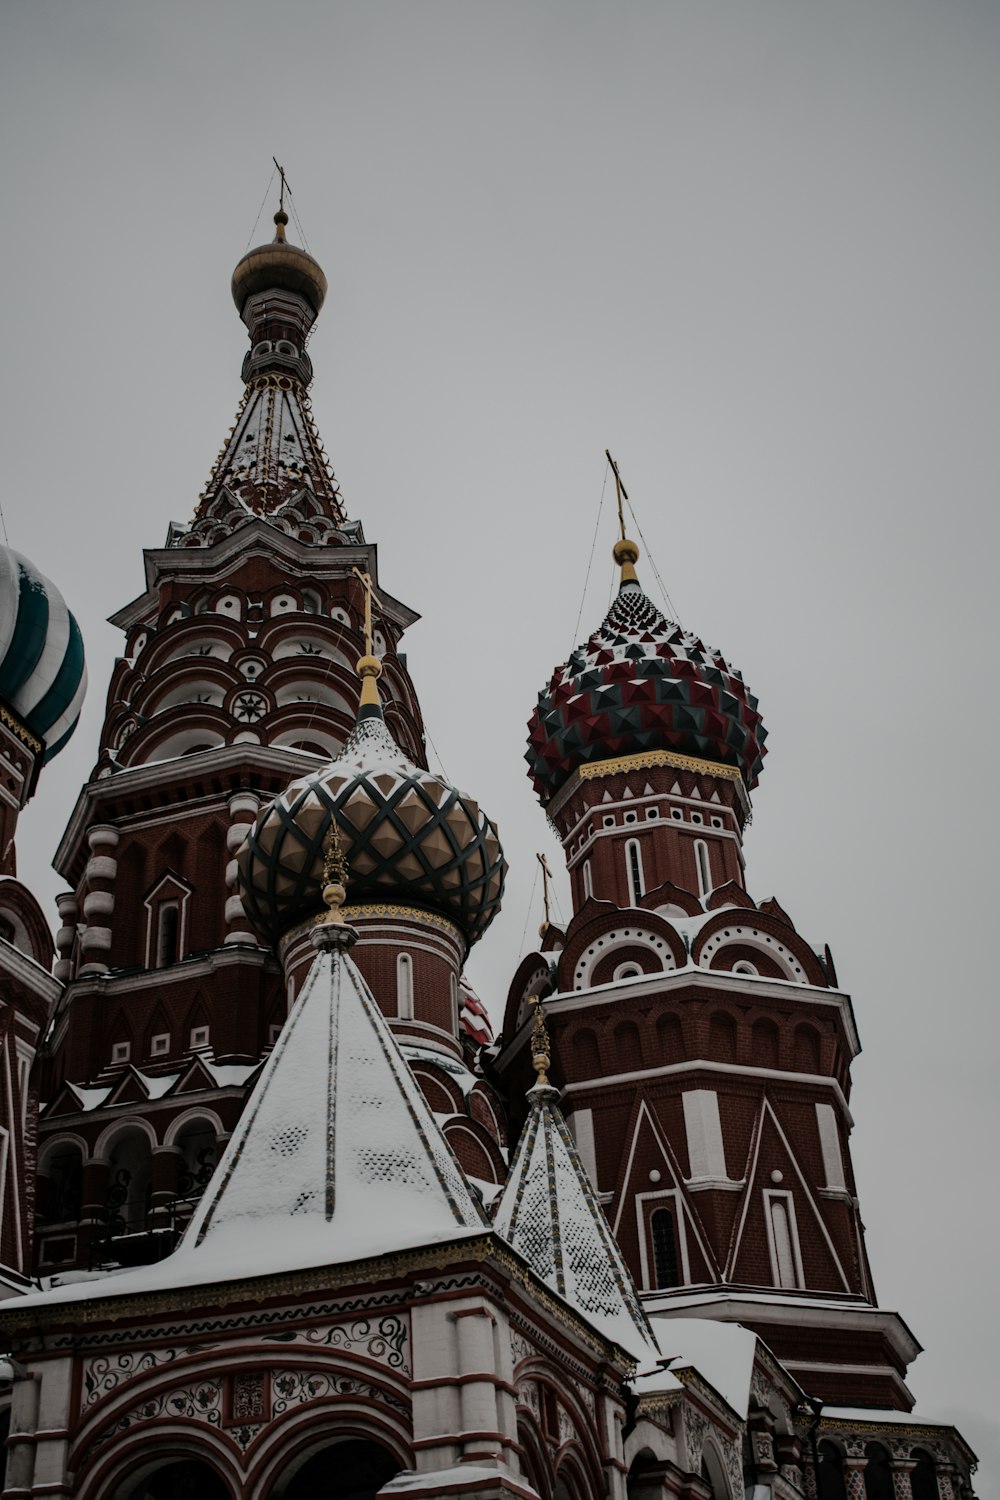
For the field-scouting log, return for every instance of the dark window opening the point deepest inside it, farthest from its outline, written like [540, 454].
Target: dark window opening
[664, 1248]
[168, 932]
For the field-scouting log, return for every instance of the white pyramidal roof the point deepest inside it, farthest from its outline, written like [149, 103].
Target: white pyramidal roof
[549, 1213]
[336, 1156]
[337, 1151]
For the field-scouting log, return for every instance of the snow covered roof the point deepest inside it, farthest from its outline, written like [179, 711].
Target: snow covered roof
[722, 1353]
[549, 1214]
[336, 1157]
[337, 1149]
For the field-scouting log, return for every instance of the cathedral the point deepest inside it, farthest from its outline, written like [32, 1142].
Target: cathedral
[280, 1216]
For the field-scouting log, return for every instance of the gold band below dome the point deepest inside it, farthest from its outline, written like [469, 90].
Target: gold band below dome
[408, 913]
[648, 760]
[16, 727]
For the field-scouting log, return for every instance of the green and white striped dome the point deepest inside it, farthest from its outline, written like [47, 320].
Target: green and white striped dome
[43, 677]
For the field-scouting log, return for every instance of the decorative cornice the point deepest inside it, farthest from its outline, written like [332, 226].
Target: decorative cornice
[405, 913]
[16, 727]
[645, 760]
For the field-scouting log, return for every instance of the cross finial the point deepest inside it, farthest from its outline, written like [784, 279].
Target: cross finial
[541, 1048]
[334, 876]
[284, 184]
[546, 877]
[626, 553]
[369, 666]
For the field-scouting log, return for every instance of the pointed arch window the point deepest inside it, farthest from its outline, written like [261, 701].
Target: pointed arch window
[588, 879]
[167, 912]
[404, 987]
[633, 864]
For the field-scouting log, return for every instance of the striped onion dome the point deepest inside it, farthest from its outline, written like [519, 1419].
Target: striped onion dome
[408, 836]
[43, 677]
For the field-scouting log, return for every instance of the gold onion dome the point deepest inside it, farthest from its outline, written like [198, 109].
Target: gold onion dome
[407, 836]
[279, 266]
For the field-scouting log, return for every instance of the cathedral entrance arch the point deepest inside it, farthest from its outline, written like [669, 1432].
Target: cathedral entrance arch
[188, 1479]
[354, 1469]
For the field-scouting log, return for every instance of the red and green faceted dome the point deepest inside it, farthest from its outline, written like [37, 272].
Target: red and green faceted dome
[642, 683]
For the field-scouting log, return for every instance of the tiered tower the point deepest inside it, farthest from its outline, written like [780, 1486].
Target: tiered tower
[238, 675]
[704, 1048]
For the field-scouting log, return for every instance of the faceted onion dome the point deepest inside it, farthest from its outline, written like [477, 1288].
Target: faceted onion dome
[43, 677]
[641, 683]
[407, 835]
[281, 266]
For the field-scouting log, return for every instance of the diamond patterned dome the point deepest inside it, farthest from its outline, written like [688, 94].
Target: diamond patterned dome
[640, 683]
[408, 836]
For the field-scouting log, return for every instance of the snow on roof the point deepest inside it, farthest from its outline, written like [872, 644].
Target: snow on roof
[882, 1415]
[89, 1098]
[226, 1075]
[337, 1143]
[549, 1214]
[336, 1157]
[722, 1354]
[156, 1084]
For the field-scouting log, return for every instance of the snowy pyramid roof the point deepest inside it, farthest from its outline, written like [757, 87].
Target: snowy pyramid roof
[337, 1156]
[549, 1213]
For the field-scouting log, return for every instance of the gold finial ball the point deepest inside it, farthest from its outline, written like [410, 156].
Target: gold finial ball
[369, 666]
[543, 929]
[626, 551]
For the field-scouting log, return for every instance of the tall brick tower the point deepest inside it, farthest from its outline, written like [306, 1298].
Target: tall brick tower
[238, 675]
[704, 1046]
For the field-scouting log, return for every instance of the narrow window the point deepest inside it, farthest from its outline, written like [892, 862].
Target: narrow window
[784, 1250]
[664, 1248]
[404, 987]
[588, 879]
[636, 884]
[167, 929]
[455, 1019]
[704, 869]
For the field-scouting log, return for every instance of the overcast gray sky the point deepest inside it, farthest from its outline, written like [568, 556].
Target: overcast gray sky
[753, 248]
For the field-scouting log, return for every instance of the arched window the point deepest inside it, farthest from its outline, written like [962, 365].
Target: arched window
[722, 1038]
[704, 867]
[832, 1485]
[628, 1047]
[764, 1044]
[353, 1470]
[61, 1186]
[923, 1479]
[167, 933]
[633, 861]
[878, 1473]
[130, 1184]
[670, 1038]
[806, 1050]
[586, 1058]
[588, 879]
[456, 1025]
[404, 987]
[665, 1267]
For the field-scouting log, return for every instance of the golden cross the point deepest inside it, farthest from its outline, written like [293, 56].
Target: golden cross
[370, 594]
[284, 184]
[622, 491]
[546, 877]
[541, 1048]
